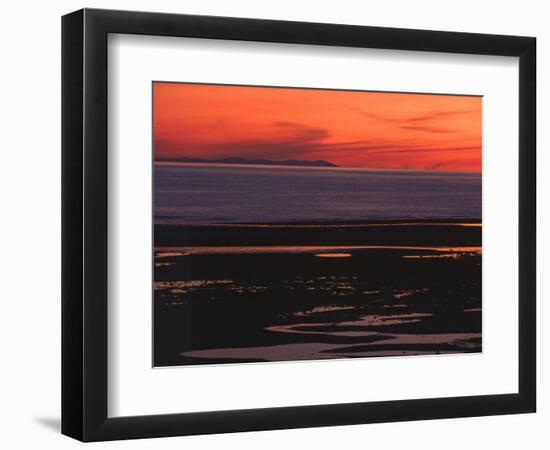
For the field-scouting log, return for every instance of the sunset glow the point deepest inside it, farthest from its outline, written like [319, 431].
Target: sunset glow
[349, 129]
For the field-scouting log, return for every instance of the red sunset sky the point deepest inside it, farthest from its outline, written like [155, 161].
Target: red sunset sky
[350, 129]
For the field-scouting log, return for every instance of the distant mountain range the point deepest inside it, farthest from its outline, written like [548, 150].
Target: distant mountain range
[261, 162]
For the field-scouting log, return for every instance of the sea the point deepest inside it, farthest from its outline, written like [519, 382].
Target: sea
[223, 193]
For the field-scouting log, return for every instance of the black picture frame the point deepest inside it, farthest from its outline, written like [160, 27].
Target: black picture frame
[84, 224]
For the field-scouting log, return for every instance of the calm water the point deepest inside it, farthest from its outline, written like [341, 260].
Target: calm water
[232, 193]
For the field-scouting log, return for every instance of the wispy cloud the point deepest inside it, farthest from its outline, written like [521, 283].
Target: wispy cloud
[356, 129]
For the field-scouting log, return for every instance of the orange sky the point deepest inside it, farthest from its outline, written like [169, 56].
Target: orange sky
[350, 129]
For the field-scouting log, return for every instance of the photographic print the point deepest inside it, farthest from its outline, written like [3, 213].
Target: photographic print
[306, 224]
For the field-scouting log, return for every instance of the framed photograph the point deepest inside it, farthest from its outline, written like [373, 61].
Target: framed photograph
[273, 224]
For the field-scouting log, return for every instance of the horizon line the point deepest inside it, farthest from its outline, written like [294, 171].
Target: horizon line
[333, 167]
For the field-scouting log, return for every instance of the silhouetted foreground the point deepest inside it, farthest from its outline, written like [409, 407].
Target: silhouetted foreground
[250, 293]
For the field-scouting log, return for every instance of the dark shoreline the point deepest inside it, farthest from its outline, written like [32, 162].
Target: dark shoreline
[427, 232]
[231, 307]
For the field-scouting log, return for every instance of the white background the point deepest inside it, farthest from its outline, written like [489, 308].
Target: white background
[135, 389]
[30, 177]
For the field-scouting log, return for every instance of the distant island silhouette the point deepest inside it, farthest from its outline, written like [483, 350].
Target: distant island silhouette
[262, 162]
